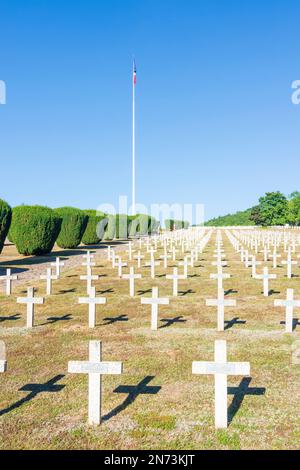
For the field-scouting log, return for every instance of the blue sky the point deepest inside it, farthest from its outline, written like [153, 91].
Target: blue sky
[215, 120]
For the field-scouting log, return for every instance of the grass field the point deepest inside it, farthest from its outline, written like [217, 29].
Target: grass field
[157, 403]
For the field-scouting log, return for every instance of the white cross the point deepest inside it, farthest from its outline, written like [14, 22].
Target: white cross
[175, 276]
[57, 264]
[220, 368]
[289, 262]
[108, 252]
[185, 265]
[274, 257]
[219, 263]
[165, 257]
[89, 278]
[94, 367]
[219, 276]
[30, 300]
[254, 263]
[265, 277]
[289, 305]
[174, 251]
[152, 265]
[120, 265]
[131, 276]
[92, 301]
[129, 251]
[154, 301]
[139, 257]
[8, 278]
[3, 362]
[88, 256]
[221, 303]
[49, 277]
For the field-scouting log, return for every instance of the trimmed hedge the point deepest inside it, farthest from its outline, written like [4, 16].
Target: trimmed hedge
[5, 221]
[91, 233]
[173, 224]
[74, 222]
[34, 229]
[142, 224]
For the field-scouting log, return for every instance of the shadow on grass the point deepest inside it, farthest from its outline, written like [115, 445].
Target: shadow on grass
[133, 392]
[171, 321]
[14, 317]
[35, 389]
[110, 320]
[232, 322]
[239, 394]
[295, 323]
[51, 320]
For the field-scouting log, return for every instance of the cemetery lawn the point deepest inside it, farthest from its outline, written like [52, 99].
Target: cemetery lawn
[156, 403]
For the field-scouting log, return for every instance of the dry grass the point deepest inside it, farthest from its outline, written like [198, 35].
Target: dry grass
[172, 409]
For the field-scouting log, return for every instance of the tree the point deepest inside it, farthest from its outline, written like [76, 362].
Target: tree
[273, 209]
[256, 216]
[294, 210]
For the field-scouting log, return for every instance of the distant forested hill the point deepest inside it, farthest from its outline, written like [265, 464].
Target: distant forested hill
[239, 218]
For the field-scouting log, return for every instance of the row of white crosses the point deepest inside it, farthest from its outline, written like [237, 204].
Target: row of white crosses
[220, 368]
[289, 303]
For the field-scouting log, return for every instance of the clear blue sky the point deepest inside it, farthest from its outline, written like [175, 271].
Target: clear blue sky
[215, 120]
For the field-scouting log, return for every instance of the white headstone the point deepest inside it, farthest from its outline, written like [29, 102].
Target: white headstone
[154, 301]
[30, 300]
[92, 301]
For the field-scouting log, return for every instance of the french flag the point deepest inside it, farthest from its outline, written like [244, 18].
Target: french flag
[134, 73]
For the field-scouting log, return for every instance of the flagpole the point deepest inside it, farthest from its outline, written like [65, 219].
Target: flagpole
[133, 138]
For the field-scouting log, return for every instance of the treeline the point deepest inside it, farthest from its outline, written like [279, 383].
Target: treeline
[35, 229]
[274, 208]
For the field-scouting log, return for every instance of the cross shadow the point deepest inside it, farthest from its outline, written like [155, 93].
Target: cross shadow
[16, 316]
[66, 291]
[171, 321]
[295, 323]
[66, 317]
[133, 392]
[142, 292]
[13, 270]
[239, 394]
[110, 320]
[193, 275]
[186, 292]
[230, 291]
[272, 292]
[106, 291]
[199, 265]
[160, 275]
[232, 322]
[34, 390]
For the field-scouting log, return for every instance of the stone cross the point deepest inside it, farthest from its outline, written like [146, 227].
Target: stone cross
[154, 301]
[289, 263]
[152, 265]
[30, 300]
[89, 278]
[175, 276]
[129, 251]
[3, 362]
[139, 257]
[289, 305]
[131, 276]
[220, 276]
[49, 277]
[220, 368]
[174, 251]
[92, 301]
[57, 264]
[274, 257]
[94, 367]
[265, 277]
[8, 278]
[120, 265]
[185, 265]
[165, 258]
[220, 303]
[254, 263]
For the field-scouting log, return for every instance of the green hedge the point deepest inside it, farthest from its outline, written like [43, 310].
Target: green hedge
[74, 222]
[5, 220]
[91, 234]
[142, 224]
[173, 224]
[34, 229]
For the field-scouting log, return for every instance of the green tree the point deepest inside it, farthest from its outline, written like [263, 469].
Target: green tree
[273, 209]
[294, 210]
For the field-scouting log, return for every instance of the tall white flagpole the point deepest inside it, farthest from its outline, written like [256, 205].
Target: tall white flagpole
[133, 137]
